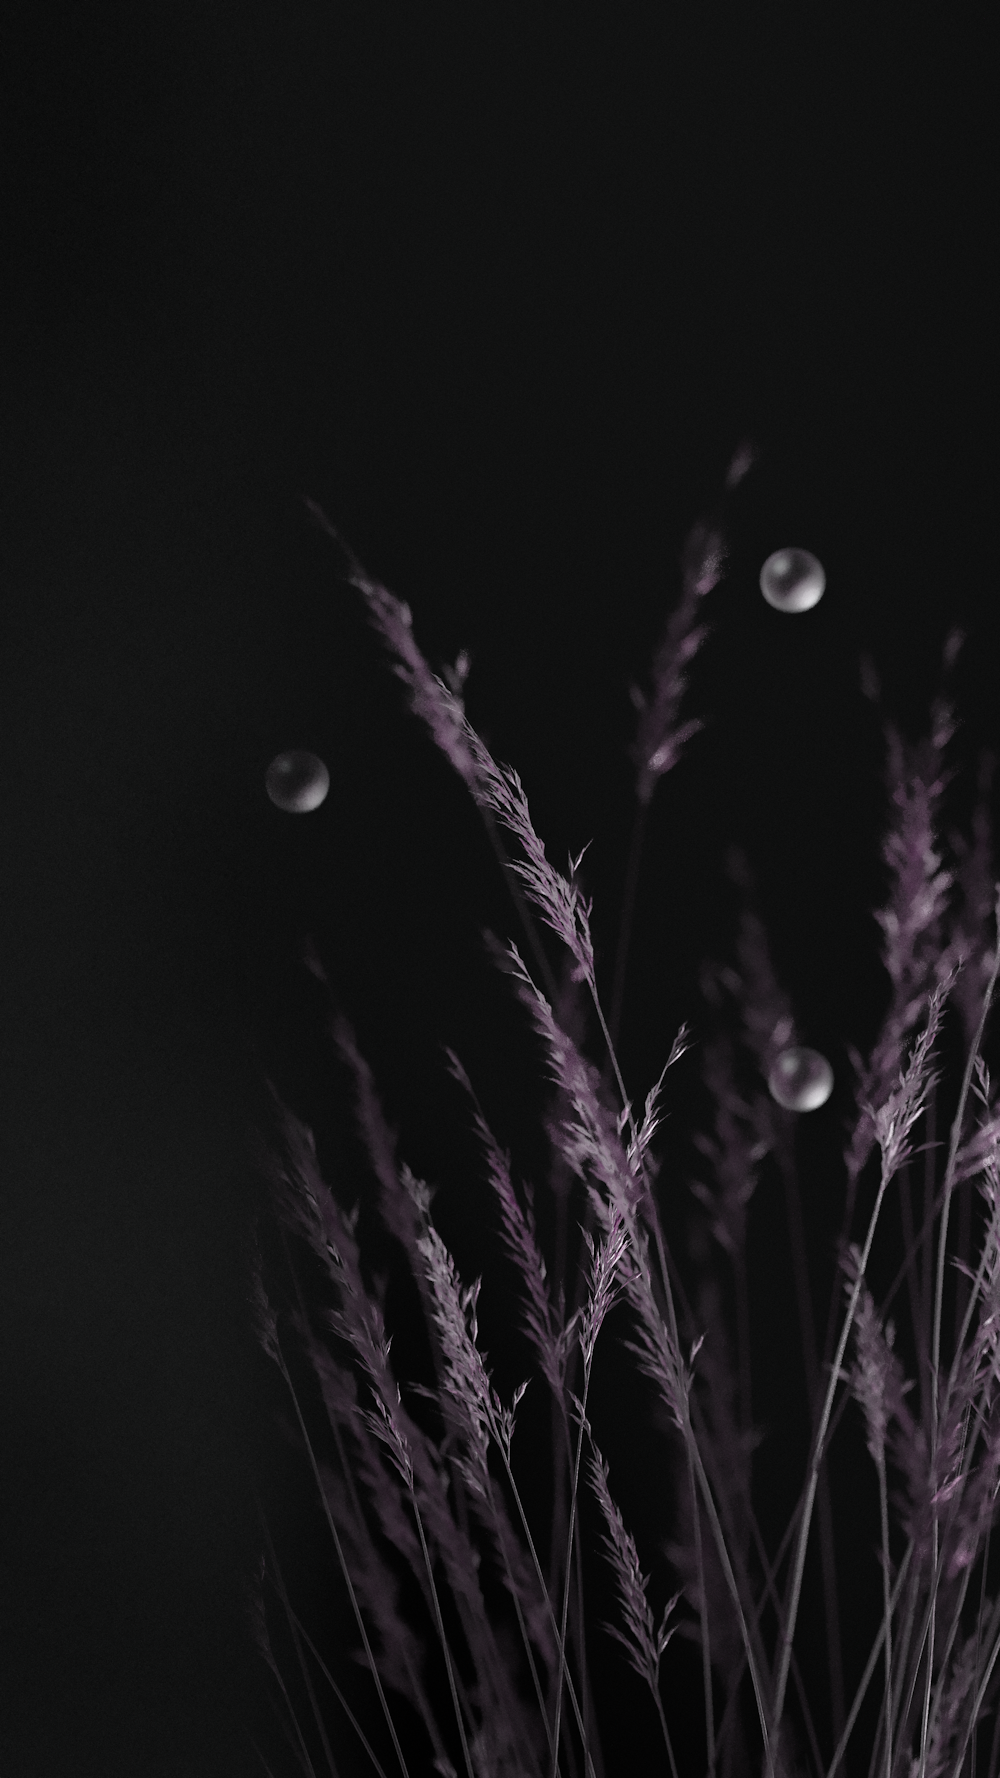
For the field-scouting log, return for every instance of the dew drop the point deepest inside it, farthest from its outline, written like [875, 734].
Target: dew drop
[297, 782]
[801, 1079]
[792, 580]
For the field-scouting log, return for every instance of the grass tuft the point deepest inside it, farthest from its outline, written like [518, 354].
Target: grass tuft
[477, 1639]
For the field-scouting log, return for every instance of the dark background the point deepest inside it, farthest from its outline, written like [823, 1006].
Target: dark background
[502, 289]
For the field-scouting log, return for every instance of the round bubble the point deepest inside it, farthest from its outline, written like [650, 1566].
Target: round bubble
[297, 782]
[801, 1079]
[792, 580]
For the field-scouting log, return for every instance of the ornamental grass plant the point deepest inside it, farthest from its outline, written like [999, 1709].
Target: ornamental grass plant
[486, 1584]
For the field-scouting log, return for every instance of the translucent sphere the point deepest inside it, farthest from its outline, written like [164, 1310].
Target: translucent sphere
[297, 782]
[801, 1079]
[792, 580]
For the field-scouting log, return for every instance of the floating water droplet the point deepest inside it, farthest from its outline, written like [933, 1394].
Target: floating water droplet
[801, 1079]
[792, 580]
[297, 782]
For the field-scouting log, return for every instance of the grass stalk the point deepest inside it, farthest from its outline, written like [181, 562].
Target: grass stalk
[864, 1682]
[292, 1625]
[338, 1694]
[387, 1713]
[994, 1631]
[979, 1621]
[567, 1678]
[956, 1132]
[807, 1329]
[706, 1650]
[569, 1571]
[788, 1628]
[883, 1503]
[439, 1623]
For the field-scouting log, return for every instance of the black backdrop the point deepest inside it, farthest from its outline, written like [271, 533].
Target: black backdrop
[503, 291]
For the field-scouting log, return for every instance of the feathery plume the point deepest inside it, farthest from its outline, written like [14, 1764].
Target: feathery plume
[519, 1238]
[733, 1153]
[466, 1380]
[876, 1379]
[643, 1642]
[496, 789]
[431, 698]
[590, 1139]
[913, 950]
[608, 1259]
[895, 1117]
[660, 736]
